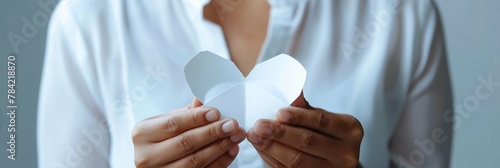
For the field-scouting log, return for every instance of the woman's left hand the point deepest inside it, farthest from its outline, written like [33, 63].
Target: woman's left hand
[304, 136]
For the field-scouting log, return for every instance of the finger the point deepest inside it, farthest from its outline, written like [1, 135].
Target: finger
[194, 139]
[301, 102]
[195, 103]
[206, 155]
[299, 138]
[167, 126]
[225, 159]
[268, 159]
[286, 155]
[342, 126]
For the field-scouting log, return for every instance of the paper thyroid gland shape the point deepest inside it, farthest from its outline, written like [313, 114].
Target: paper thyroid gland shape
[271, 85]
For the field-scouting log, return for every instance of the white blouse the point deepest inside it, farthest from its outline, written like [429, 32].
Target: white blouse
[109, 64]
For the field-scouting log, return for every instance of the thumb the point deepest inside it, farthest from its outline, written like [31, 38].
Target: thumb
[301, 102]
[196, 103]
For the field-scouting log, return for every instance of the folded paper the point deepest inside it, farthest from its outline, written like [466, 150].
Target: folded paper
[271, 85]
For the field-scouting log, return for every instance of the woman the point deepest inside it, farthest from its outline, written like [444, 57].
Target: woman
[115, 69]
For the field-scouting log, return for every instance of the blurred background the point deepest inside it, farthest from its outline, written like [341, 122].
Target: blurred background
[473, 44]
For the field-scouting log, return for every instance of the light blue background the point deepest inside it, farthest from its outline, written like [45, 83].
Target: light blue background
[472, 31]
[473, 43]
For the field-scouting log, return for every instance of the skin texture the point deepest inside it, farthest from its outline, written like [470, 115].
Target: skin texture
[192, 136]
[300, 136]
[304, 136]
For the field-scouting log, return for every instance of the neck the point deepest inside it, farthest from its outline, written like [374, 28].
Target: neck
[244, 23]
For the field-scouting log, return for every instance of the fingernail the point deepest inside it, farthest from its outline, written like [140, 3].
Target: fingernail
[228, 127]
[233, 151]
[211, 116]
[263, 128]
[237, 137]
[283, 116]
[255, 139]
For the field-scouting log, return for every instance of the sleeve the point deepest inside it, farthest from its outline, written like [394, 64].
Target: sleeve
[423, 135]
[71, 128]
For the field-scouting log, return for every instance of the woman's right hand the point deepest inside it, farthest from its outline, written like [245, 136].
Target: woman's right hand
[193, 136]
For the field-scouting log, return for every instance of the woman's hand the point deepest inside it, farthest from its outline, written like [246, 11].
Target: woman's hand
[307, 137]
[188, 137]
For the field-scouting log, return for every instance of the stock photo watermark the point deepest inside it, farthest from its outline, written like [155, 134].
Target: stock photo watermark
[32, 24]
[29, 29]
[364, 34]
[11, 106]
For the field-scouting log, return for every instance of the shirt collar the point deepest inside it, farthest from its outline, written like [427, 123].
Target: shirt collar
[285, 17]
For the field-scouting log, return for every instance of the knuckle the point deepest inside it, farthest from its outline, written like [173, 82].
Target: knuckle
[136, 131]
[184, 143]
[352, 121]
[170, 126]
[280, 131]
[141, 162]
[197, 116]
[213, 132]
[323, 121]
[296, 159]
[357, 134]
[308, 139]
[267, 145]
[195, 161]
[224, 145]
[298, 118]
[139, 132]
[355, 127]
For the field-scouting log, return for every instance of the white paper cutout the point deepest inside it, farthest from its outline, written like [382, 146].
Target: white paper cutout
[271, 85]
